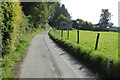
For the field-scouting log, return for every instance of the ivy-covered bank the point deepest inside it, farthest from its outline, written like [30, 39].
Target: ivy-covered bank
[19, 25]
[10, 60]
[11, 23]
[16, 36]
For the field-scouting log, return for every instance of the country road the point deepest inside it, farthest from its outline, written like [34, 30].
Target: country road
[47, 60]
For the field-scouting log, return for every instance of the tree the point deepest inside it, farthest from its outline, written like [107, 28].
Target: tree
[110, 24]
[39, 12]
[81, 24]
[74, 24]
[61, 18]
[65, 12]
[105, 17]
[52, 18]
[59, 9]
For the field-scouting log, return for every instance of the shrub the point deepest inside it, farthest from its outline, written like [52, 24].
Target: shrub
[11, 19]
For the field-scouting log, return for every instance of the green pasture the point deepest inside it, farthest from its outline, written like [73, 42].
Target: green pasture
[107, 46]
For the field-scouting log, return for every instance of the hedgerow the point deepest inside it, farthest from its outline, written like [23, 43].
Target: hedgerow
[92, 59]
[11, 20]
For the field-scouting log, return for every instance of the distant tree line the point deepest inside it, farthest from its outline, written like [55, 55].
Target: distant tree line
[104, 24]
[61, 14]
[81, 24]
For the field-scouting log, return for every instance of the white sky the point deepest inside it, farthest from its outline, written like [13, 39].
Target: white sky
[90, 10]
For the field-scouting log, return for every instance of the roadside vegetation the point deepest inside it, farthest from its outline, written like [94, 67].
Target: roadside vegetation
[0, 69]
[107, 46]
[103, 60]
[79, 37]
[21, 21]
[0, 55]
[10, 60]
[20, 24]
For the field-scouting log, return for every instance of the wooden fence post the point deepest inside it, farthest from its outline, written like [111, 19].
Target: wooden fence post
[61, 33]
[68, 35]
[77, 36]
[97, 40]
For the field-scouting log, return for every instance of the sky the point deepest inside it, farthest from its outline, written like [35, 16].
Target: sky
[90, 10]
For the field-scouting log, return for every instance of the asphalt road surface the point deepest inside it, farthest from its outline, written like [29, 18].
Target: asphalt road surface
[47, 60]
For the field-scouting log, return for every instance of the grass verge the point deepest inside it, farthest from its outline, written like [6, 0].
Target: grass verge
[10, 60]
[91, 58]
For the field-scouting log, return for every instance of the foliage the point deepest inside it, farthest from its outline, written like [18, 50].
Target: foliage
[58, 11]
[11, 19]
[17, 30]
[53, 18]
[10, 60]
[0, 15]
[39, 12]
[60, 18]
[81, 24]
[107, 49]
[15, 23]
[104, 20]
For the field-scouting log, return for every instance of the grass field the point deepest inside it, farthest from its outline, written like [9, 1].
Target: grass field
[107, 47]
[108, 42]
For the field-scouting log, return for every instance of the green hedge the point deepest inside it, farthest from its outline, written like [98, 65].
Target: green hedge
[95, 62]
[11, 19]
